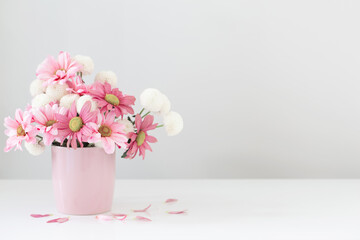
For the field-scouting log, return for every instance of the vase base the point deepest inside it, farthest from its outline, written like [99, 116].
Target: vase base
[83, 213]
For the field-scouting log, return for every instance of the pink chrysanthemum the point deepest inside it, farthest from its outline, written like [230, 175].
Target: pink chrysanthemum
[139, 140]
[52, 71]
[74, 127]
[112, 133]
[112, 99]
[19, 130]
[77, 86]
[46, 120]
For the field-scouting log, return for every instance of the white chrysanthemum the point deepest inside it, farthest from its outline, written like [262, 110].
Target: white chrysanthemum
[99, 144]
[67, 100]
[57, 91]
[36, 87]
[86, 62]
[129, 127]
[40, 100]
[173, 123]
[152, 99]
[82, 100]
[35, 148]
[106, 76]
[166, 106]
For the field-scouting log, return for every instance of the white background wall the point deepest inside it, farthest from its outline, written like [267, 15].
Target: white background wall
[266, 88]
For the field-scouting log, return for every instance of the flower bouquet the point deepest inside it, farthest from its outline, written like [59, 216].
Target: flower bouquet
[84, 124]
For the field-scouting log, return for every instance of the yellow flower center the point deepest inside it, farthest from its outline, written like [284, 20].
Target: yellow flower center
[105, 131]
[112, 99]
[20, 131]
[75, 124]
[50, 123]
[140, 138]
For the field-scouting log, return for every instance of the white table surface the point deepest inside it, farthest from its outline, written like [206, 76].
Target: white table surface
[217, 209]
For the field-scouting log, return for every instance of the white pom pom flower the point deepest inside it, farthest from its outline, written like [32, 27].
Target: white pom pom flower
[86, 62]
[82, 100]
[57, 91]
[36, 87]
[99, 144]
[35, 148]
[129, 127]
[67, 100]
[173, 123]
[166, 106]
[106, 76]
[40, 100]
[152, 99]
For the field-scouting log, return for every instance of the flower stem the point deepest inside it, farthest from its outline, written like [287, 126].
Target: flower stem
[40, 138]
[131, 121]
[141, 111]
[80, 74]
[145, 114]
[159, 126]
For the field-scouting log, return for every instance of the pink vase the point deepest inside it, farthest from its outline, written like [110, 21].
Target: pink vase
[83, 180]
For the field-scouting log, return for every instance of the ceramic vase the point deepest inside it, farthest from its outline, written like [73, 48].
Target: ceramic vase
[83, 180]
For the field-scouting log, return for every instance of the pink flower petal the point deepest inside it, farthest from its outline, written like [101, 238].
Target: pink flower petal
[105, 217]
[120, 216]
[171, 200]
[143, 210]
[140, 218]
[58, 220]
[177, 212]
[40, 215]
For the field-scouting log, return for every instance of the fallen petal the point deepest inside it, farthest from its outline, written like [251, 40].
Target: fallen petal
[119, 214]
[171, 200]
[140, 218]
[62, 220]
[120, 217]
[177, 212]
[143, 210]
[40, 215]
[104, 217]
[58, 220]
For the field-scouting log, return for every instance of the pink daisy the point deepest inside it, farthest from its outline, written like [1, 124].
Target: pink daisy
[46, 119]
[112, 99]
[19, 130]
[112, 133]
[139, 140]
[77, 86]
[76, 127]
[52, 71]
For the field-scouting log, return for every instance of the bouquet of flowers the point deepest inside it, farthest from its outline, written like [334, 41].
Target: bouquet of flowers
[66, 112]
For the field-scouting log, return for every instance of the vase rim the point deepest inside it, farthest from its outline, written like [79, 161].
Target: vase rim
[79, 148]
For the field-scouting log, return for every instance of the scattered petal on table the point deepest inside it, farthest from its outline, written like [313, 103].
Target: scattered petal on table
[177, 212]
[120, 216]
[143, 210]
[104, 217]
[58, 220]
[140, 218]
[171, 200]
[40, 215]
